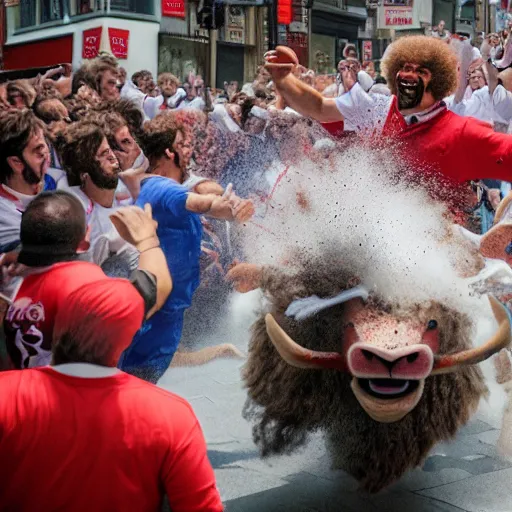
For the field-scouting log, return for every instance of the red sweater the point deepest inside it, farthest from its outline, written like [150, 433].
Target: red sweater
[460, 148]
[99, 444]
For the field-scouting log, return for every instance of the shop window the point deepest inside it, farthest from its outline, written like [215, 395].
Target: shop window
[27, 13]
[136, 6]
[182, 56]
[51, 10]
[30, 13]
[87, 6]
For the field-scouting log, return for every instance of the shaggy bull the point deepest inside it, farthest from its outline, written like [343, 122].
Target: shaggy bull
[383, 381]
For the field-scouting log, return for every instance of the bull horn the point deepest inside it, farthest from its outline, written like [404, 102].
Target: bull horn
[449, 362]
[298, 356]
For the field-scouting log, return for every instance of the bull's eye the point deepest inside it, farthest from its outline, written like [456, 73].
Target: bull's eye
[350, 325]
[432, 325]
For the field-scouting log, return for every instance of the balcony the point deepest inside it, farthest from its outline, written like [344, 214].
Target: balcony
[35, 14]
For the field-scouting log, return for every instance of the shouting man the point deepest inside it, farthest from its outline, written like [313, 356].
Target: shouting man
[421, 71]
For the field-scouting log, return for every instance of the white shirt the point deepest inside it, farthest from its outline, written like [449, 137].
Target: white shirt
[85, 370]
[223, 120]
[363, 111]
[104, 238]
[132, 92]
[502, 104]
[481, 105]
[152, 105]
[196, 104]
[12, 205]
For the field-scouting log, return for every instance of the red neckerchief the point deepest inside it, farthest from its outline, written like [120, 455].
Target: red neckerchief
[395, 123]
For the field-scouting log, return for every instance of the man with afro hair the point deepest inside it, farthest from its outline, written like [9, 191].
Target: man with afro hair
[420, 72]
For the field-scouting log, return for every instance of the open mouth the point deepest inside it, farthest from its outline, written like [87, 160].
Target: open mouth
[410, 92]
[408, 87]
[387, 389]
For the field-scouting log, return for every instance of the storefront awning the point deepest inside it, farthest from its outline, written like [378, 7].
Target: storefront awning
[333, 21]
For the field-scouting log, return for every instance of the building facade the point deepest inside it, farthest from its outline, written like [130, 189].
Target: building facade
[47, 32]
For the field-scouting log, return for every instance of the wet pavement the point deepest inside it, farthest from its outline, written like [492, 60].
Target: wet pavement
[464, 475]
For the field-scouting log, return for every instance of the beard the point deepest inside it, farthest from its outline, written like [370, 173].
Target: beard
[410, 92]
[101, 179]
[32, 177]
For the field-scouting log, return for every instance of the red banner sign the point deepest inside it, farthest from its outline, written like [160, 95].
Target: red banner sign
[119, 42]
[401, 17]
[173, 8]
[284, 12]
[91, 43]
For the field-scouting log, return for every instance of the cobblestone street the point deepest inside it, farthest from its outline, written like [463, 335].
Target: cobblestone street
[466, 475]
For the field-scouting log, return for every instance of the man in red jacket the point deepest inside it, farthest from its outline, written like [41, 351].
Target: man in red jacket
[83, 436]
[421, 71]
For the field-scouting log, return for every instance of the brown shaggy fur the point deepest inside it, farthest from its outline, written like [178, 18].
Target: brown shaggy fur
[287, 403]
[432, 53]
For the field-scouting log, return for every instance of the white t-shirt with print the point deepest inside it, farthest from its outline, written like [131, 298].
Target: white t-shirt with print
[104, 238]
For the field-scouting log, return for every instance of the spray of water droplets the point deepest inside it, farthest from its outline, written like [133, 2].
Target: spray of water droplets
[388, 233]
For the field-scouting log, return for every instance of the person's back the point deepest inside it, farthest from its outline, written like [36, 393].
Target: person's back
[100, 443]
[30, 319]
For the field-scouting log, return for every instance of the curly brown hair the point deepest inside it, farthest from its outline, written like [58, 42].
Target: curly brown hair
[22, 87]
[158, 136]
[429, 52]
[110, 123]
[16, 129]
[164, 77]
[76, 146]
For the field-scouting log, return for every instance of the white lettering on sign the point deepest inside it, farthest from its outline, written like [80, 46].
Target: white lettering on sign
[118, 40]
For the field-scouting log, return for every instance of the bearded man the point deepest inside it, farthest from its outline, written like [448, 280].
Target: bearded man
[421, 71]
[93, 176]
[24, 161]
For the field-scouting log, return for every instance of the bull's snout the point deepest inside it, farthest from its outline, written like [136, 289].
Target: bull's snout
[413, 362]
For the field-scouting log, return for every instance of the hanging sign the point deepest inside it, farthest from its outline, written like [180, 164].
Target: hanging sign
[91, 43]
[119, 42]
[173, 8]
[284, 12]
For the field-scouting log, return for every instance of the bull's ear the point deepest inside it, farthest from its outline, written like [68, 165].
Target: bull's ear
[449, 362]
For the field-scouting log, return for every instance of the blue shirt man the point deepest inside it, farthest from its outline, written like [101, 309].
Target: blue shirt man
[177, 211]
[180, 232]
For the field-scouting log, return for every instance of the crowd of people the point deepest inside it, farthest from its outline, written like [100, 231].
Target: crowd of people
[117, 196]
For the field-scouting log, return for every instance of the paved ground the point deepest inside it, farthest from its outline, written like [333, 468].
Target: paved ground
[465, 475]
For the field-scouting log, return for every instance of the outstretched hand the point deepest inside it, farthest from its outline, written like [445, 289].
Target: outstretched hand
[485, 48]
[245, 277]
[281, 62]
[242, 209]
[136, 226]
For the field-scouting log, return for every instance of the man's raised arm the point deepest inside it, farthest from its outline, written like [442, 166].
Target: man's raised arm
[298, 95]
